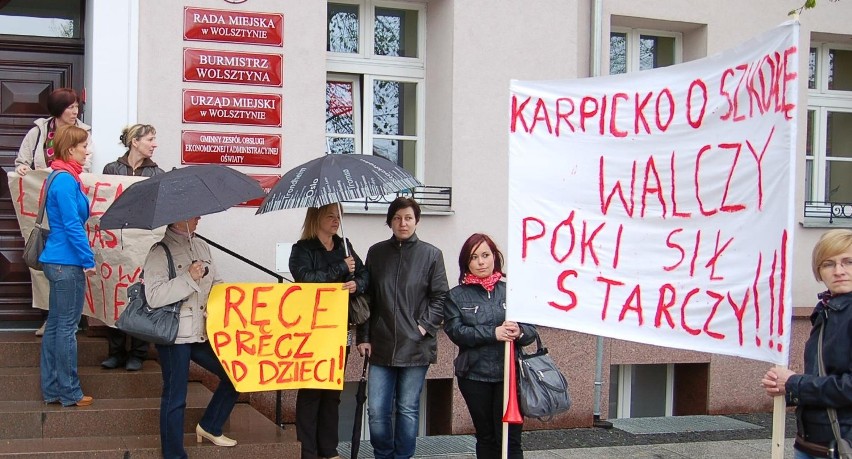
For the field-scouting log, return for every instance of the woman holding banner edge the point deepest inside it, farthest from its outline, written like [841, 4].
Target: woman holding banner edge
[195, 276]
[812, 394]
[320, 256]
[475, 320]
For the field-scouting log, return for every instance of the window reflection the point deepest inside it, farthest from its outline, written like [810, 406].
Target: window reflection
[396, 32]
[343, 28]
[48, 18]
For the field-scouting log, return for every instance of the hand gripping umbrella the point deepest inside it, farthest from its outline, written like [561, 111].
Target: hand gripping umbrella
[179, 194]
[360, 398]
[335, 178]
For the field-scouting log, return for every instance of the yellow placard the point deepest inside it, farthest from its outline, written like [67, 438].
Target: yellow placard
[279, 336]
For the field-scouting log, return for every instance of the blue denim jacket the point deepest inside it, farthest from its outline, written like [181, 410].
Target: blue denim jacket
[67, 210]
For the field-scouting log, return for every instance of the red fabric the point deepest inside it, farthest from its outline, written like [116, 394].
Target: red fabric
[72, 168]
[486, 282]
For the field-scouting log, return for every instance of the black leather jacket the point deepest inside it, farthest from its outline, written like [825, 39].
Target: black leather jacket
[408, 286]
[813, 393]
[311, 262]
[471, 314]
[148, 168]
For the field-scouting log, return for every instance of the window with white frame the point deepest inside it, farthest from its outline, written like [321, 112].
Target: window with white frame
[829, 124]
[631, 50]
[375, 80]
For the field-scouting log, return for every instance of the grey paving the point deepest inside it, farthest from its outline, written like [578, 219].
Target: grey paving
[677, 424]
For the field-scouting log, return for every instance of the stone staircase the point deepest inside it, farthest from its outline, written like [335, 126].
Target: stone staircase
[124, 420]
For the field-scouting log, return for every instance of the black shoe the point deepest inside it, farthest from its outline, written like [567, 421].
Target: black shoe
[133, 364]
[112, 362]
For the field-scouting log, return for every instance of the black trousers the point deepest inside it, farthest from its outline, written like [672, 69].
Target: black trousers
[117, 340]
[485, 403]
[316, 422]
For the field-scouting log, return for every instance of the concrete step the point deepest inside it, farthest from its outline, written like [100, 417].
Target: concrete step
[23, 348]
[256, 436]
[24, 383]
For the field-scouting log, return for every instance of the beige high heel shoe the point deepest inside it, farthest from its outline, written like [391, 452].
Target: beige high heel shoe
[221, 440]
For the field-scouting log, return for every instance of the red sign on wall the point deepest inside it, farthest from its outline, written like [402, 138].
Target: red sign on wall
[249, 109]
[204, 24]
[266, 182]
[230, 148]
[213, 66]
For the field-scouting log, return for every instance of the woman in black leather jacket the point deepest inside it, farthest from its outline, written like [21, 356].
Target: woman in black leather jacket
[319, 256]
[811, 393]
[475, 320]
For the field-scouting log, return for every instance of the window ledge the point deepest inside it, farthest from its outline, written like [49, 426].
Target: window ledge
[825, 223]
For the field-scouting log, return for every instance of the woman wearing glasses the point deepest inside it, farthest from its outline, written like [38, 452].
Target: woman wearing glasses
[812, 394]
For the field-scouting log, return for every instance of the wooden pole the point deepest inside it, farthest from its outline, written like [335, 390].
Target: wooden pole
[779, 416]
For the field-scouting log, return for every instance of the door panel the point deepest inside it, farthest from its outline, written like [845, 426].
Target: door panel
[26, 79]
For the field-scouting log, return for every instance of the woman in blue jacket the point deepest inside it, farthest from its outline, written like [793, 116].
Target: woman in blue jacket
[475, 320]
[811, 393]
[67, 260]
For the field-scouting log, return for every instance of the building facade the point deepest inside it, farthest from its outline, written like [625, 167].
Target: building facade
[425, 84]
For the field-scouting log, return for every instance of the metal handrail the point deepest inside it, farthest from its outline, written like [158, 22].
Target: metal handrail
[272, 273]
[438, 198]
[829, 210]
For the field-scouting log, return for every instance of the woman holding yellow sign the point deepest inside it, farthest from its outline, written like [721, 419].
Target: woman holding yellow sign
[320, 256]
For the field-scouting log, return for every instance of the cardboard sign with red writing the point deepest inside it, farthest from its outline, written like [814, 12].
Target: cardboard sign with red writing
[218, 107]
[658, 206]
[231, 67]
[230, 148]
[207, 24]
[119, 255]
[279, 336]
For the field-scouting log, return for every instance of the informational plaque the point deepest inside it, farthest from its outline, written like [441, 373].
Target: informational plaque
[205, 24]
[230, 67]
[217, 107]
[230, 148]
[266, 182]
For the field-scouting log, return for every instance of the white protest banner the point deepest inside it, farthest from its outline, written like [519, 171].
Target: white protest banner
[657, 206]
[119, 255]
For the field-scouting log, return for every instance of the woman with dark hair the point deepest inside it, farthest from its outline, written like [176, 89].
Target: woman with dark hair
[812, 391]
[320, 256]
[140, 140]
[67, 260]
[38, 150]
[475, 320]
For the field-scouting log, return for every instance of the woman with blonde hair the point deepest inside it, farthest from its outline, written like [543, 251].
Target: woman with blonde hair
[817, 395]
[320, 256]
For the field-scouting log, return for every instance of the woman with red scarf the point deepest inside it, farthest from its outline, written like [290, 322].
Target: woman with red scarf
[475, 320]
[67, 260]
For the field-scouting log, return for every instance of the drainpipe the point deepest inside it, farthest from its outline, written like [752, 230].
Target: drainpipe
[595, 48]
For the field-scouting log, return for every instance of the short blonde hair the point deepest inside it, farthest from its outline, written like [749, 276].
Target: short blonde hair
[831, 244]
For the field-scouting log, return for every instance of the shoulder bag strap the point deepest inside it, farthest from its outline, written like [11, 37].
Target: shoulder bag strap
[44, 201]
[172, 273]
[832, 413]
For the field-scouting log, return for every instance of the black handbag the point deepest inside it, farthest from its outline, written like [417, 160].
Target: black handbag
[542, 389]
[38, 235]
[359, 309]
[155, 325]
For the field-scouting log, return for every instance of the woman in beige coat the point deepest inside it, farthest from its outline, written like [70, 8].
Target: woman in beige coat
[195, 276]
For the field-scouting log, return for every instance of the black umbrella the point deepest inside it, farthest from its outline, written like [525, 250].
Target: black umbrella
[360, 398]
[335, 178]
[178, 195]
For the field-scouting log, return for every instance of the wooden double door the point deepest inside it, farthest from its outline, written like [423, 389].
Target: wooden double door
[29, 72]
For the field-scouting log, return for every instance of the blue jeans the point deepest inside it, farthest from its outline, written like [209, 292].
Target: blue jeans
[800, 455]
[174, 360]
[59, 380]
[390, 388]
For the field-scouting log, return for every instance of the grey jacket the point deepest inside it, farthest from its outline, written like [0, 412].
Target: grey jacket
[471, 314]
[408, 285]
[160, 291]
[31, 151]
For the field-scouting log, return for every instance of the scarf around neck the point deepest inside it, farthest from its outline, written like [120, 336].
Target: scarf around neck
[487, 283]
[72, 168]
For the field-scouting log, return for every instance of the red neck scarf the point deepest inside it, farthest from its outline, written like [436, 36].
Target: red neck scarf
[72, 168]
[487, 283]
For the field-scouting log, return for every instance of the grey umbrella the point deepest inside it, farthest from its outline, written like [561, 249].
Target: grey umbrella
[178, 195]
[335, 178]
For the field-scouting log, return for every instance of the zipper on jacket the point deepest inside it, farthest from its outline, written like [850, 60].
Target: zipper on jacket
[475, 309]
